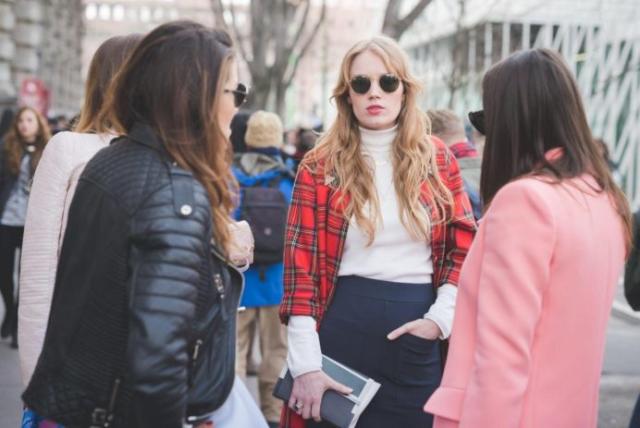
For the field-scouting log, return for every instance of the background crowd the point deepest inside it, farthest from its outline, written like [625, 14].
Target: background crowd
[147, 220]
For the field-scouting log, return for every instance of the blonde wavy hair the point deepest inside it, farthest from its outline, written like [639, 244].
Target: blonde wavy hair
[414, 156]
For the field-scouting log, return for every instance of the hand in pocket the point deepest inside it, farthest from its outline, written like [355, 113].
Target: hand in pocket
[423, 328]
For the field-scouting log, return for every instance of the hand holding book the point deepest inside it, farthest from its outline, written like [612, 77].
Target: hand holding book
[308, 390]
[324, 394]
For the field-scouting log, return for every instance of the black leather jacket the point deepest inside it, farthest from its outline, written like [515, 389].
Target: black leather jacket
[142, 324]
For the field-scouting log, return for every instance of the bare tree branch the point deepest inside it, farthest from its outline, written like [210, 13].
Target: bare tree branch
[217, 7]
[303, 22]
[390, 15]
[394, 26]
[412, 15]
[272, 41]
[240, 40]
[291, 72]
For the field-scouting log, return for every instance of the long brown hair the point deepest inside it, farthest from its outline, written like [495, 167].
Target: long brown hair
[414, 157]
[14, 145]
[105, 63]
[531, 105]
[173, 82]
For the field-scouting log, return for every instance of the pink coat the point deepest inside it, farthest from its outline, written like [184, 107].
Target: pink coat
[533, 302]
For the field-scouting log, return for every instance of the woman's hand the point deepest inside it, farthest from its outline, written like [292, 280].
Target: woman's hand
[242, 244]
[307, 393]
[423, 328]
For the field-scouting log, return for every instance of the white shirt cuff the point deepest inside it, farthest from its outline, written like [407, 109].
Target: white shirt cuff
[304, 354]
[443, 309]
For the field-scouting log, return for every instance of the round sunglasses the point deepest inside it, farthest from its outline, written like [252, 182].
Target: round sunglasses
[239, 94]
[362, 84]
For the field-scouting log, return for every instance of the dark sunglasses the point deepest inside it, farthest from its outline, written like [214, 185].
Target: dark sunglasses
[239, 94]
[477, 120]
[387, 82]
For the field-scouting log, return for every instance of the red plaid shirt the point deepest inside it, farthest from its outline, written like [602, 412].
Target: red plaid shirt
[317, 230]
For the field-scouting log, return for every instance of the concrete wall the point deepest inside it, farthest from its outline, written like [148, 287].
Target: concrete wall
[42, 39]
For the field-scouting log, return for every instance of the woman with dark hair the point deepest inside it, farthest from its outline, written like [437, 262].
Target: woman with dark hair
[20, 153]
[537, 287]
[53, 186]
[142, 324]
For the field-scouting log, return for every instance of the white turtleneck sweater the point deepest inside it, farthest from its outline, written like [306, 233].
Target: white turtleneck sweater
[393, 256]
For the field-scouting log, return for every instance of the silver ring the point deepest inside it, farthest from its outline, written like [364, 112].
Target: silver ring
[299, 406]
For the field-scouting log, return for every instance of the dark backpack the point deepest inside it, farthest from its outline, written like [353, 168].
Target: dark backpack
[265, 209]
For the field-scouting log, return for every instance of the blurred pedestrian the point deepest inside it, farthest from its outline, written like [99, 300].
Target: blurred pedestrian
[544, 265]
[54, 184]
[238, 131]
[142, 324]
[305, 141]
[20, 152]
[449, 127]
[6, 120]
[378, 228]
[266, 185]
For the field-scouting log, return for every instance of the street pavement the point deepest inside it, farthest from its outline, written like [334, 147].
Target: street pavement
[619, 387]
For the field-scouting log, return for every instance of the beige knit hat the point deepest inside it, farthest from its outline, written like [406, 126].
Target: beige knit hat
[264, 129]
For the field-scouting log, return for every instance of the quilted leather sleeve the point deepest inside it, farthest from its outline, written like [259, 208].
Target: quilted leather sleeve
[167, 252]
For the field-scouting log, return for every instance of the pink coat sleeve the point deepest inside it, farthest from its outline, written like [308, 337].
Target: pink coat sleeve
[518, 245]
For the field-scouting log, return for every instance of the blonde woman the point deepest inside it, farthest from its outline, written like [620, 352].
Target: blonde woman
[377, 231]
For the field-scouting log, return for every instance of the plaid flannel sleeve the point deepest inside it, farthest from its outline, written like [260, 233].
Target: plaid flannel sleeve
[462, 226]
[301, 279]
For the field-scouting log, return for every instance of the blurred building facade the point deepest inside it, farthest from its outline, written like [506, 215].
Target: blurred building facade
[107, 18]
[455, 42]
[346, 23]
[42, 39]
[307, 99]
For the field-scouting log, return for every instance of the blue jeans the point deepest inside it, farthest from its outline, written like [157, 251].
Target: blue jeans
[31, 420]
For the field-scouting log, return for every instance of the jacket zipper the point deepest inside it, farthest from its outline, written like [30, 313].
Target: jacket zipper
[196, 350]
[219, 256]
[101, 418]
[217, 282]
[112, 402]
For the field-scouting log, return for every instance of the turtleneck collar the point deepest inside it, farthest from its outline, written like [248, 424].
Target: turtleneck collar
[377, 143]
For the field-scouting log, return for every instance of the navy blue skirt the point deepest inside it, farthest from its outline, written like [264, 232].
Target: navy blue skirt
[354, 331]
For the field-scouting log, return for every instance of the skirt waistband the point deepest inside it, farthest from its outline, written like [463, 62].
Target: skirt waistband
[385, 290]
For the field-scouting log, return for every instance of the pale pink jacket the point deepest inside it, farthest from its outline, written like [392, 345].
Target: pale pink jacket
[534, 298]
[54, 184]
